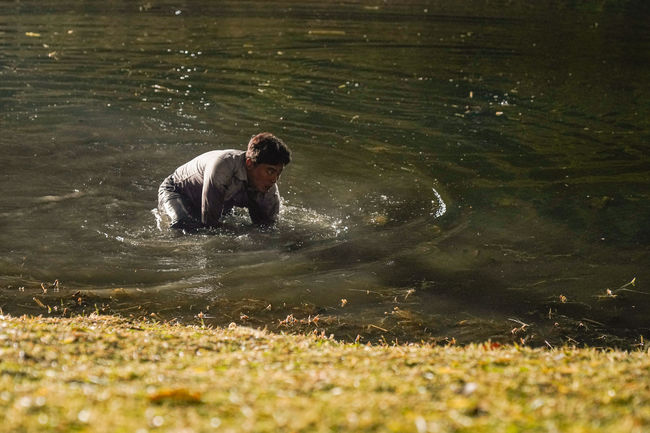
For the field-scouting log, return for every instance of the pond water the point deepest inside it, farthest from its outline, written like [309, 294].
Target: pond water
[462, 171]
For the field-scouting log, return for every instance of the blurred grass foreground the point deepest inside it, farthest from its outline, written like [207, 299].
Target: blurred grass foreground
[106, 374]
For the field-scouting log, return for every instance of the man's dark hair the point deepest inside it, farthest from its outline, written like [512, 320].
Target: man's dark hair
[266, 148]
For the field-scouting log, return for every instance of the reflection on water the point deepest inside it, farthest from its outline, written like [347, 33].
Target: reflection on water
[460, 169]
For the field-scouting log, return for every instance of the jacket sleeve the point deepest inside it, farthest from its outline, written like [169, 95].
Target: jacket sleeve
[216, 178]
[265, 210]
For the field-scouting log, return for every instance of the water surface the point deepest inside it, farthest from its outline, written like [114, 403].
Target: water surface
[461, 171]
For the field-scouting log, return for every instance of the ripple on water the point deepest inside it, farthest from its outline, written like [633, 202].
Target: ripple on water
[539, 172]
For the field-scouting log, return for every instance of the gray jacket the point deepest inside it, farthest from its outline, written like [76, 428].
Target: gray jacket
[216, 181]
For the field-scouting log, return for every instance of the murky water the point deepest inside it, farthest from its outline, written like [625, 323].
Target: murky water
[460, 168]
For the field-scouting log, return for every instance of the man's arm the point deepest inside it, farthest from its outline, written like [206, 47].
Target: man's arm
[265, 210]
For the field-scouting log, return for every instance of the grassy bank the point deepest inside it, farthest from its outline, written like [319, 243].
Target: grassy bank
[105, 374]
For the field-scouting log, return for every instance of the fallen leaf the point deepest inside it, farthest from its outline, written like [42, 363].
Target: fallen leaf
[178, 395]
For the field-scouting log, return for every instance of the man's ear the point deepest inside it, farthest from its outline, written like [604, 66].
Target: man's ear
[249, 163]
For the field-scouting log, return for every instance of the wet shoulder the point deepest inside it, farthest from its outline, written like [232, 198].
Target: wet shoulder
[214, 156]
[219, 159]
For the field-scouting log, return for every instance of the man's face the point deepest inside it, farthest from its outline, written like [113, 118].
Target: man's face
[263, 176]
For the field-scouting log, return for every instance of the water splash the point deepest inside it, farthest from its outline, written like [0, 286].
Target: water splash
[442, 207]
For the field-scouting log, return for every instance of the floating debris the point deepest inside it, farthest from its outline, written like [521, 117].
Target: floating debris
[159, 88]
[324, 32]
[39, 302]
[377, 327]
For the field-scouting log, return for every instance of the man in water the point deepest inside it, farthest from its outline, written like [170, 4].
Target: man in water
[206, 188]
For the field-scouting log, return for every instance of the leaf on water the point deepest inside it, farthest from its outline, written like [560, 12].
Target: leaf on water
[33, 34]
[631, 283]
[159, 88]
[38, 302]
[378, 219]
[176, 395]
[327, 32]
